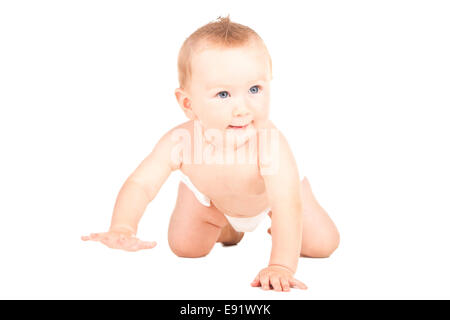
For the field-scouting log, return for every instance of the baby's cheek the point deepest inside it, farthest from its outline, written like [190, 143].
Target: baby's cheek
[221, 119]
[216, 123]
[261, 118]
[261, 109]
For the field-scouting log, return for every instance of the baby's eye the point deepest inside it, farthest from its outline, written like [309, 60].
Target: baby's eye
[223, 94]
[254, 89]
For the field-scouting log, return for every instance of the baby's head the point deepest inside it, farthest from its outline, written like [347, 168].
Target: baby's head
[224, 71]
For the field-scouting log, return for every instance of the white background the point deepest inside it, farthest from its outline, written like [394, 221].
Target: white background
[360, 89]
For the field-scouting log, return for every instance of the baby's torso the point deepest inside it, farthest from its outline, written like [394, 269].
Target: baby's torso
[236, 189]
[238, 192]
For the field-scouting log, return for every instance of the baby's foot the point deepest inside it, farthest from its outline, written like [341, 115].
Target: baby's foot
[236, 239]
[229, 236]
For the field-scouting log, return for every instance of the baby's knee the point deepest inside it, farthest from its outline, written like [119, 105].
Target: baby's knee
[331, 245]
[323, 248]
[186, 251]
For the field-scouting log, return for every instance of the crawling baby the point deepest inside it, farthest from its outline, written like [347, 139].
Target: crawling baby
[235, 166]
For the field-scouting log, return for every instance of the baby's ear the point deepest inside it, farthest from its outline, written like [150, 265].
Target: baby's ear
[185, 103]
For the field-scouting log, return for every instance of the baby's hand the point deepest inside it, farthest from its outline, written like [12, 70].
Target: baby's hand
[278, 277]
[118, 239]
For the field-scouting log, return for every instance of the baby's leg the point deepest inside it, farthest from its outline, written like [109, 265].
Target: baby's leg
[194, 228]
[320, 236]
[229, 236]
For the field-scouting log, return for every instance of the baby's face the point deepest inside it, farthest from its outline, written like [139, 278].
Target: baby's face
[231, 87]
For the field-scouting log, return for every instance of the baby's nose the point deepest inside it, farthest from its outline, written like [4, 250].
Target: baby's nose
[240, 111]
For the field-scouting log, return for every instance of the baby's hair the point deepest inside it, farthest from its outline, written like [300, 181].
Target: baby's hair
[220, 33]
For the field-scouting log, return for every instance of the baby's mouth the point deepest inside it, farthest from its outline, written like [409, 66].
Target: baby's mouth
[238, 127]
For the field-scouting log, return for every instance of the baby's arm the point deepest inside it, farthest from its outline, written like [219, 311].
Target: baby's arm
[283, 191]
[142, 185]
[136, 193]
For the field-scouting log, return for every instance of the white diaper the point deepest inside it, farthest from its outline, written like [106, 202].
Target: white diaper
[247, 224]
[239, 224]
[204, 200]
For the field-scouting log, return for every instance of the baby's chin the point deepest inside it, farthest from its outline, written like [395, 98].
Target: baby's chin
[240, 136]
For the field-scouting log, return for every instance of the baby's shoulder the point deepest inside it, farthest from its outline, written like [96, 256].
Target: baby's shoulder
[166, 149]
[271, 133]
[173, 134]
[273, 148]
[270, 138]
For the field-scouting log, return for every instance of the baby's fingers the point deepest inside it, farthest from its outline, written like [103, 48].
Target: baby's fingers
[276, 284]
[120, 241]
[265, 281]
[297, 284]
[147, 244]
[256, 282]
[92, 236]
[134, 244]
[285, 284]
[141, 245]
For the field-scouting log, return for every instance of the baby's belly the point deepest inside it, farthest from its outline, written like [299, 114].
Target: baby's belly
[241, 206]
